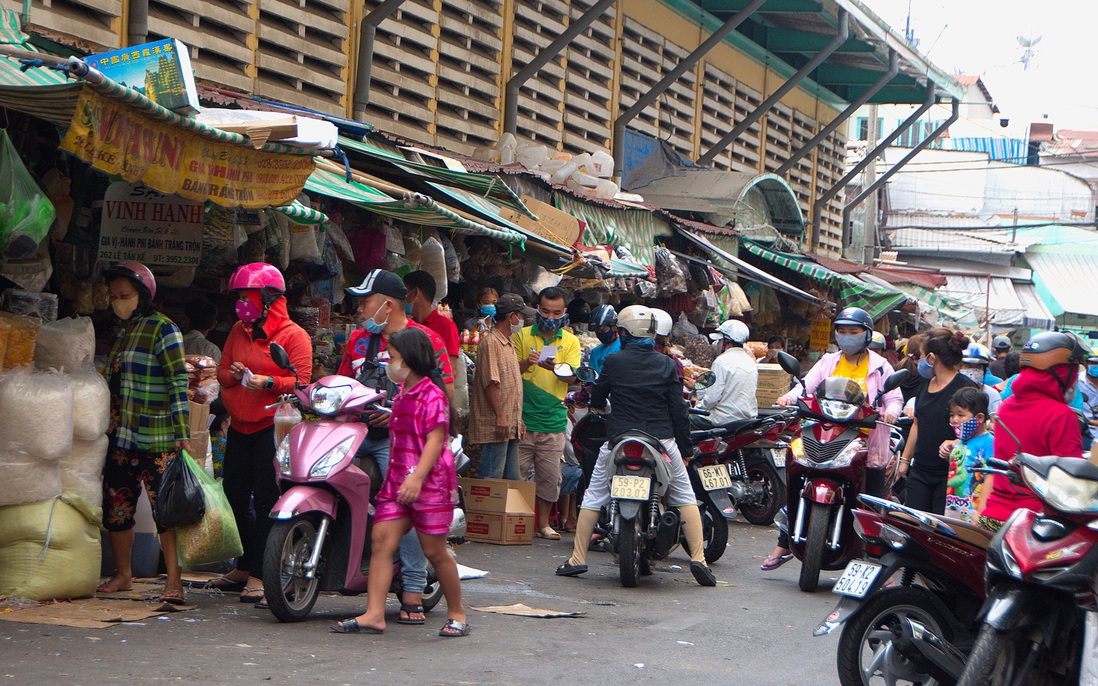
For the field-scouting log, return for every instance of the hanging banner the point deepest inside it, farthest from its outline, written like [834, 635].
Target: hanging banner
[820, 334]
[117, 139]
[150, 227]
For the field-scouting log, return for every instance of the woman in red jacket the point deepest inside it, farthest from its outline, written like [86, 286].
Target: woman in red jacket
[250, 380]
[1039, 416]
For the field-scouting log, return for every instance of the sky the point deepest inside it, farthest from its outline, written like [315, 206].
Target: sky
[981, 37]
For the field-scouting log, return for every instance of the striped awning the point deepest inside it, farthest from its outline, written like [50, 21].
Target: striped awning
[484, 185]
[851, 291]
[45, 93]
[302, 214]
[733, 265]
[414, 208]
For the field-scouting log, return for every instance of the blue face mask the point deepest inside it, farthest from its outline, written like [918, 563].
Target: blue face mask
[408, 309]
[372, 325]
[488, 310]
[1092, 372]
[606, 337]
[550, 325]
[926, 370]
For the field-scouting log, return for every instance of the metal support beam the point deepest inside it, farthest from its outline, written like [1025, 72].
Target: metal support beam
[893, 69]
[657, 90]
[366, 35]
[511, 90]
[818, 205]
[954, 115]
[764, 107]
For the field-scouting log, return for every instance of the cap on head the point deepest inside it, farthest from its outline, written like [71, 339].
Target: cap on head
[136, 272]
[732, 329]
[510, 302]
[383, 282]
[1001, 344]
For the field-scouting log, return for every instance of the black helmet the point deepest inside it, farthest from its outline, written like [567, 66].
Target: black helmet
[578, 311]
[1052, 348]
[855, 316]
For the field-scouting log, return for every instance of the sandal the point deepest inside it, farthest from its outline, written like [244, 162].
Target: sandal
[251, 595]
[454, 629]
[262, 605]
[351, 626]
[172, 598]
[703, 574]
[569, 569]
[549, 534]
[408, 609]
[775, 561]
[226, 585]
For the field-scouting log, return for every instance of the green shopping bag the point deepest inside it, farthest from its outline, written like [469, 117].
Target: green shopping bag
[215, 537]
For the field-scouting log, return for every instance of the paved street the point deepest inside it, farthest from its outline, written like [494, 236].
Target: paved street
[755, 631]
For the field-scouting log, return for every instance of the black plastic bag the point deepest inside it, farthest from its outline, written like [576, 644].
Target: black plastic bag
[179, 501]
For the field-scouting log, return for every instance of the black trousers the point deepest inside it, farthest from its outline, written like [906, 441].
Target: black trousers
[250, 478]
[926, 490]
[874, 485]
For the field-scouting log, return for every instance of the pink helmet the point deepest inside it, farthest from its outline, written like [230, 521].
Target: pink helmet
[261, 276]
[135, 271]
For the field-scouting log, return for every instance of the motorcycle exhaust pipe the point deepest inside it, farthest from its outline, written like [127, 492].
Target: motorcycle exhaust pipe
[667, 534]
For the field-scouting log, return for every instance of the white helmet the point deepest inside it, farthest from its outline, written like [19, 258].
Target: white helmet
[877, 343]
[733, 329]
[638, 321]
[664, 322]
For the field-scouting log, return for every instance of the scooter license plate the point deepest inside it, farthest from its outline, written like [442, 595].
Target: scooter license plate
[630, 487]
[715, 478]
[857, 579]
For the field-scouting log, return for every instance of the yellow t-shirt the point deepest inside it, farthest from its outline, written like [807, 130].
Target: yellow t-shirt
[856, 372]
[542, 391]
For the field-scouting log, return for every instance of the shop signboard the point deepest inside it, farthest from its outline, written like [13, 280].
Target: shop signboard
[160, 70]
[142, 224]
[820, 334]
[116, 138]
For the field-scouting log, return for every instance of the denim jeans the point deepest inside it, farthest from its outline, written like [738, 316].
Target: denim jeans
[412, 560]
[499, 460]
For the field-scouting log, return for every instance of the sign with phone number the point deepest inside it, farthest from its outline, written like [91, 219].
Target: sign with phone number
[150, 227]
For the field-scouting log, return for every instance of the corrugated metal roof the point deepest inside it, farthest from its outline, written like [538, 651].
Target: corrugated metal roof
[942, 240]
[929, 220]
[1011, 304]
[1071, 280]
[927, 280]
[838, 266]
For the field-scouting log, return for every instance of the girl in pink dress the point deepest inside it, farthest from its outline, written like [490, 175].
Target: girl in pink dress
[421, 487]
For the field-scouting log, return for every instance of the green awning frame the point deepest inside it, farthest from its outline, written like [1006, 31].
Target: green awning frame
[414, 208]
[484, 185]
[850, 290]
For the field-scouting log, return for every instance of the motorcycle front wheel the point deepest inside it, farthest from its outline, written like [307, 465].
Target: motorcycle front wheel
[630, 552]
[289, 593]
[867, 653]
[818, 519]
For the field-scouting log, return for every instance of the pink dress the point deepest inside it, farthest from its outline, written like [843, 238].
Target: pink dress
[416, 412]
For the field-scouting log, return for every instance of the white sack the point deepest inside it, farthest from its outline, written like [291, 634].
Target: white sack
[433, 261]
[91, 404]
[82, 469]
[36, 414]
[24, 479]
[65, 344]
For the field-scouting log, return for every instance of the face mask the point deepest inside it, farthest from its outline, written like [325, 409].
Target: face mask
[606, 337]
[925, 369]
[247, 312]
[968, 429]
[407, 309]
[851, 344]
[124, 307]
[1092, 372]
[397, 372]
[488, 310]
[976, 375]
[515, 328]
[551, 325]
[372, 325]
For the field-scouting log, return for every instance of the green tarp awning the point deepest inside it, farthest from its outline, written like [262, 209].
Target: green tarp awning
[635, 229]
[45, 93]
[302, 214]
[851, 291]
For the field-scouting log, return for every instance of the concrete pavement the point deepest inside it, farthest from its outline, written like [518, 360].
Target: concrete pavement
[754, 628]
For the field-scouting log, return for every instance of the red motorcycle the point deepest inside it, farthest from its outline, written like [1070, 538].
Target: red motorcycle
[1042, 570]
[828, 471]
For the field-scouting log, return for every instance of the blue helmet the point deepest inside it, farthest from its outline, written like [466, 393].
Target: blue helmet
[856, 316]
[603, 315]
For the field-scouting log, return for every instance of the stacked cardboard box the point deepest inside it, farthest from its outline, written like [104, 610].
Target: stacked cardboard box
[499, 511]
[773, 383]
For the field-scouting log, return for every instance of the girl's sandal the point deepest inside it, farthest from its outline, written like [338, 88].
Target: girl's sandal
[351, 626]
[408, 610]
[454, 629]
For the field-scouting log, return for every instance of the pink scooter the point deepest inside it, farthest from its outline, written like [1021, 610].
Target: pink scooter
[320, 540]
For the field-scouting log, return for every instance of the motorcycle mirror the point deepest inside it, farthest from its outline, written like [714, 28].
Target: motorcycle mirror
[280, 356]
[586, 374]
[704, 381]
[789, 363]
[564, 371]
[894, 380]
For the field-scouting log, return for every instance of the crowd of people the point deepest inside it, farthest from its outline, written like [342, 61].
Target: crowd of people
[526, 363]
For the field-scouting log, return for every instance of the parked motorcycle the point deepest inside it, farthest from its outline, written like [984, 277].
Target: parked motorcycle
[1041, 577]
[320, 540]
[828, 470]
[908, 609]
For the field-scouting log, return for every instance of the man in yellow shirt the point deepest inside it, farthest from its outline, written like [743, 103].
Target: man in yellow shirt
[540, 348]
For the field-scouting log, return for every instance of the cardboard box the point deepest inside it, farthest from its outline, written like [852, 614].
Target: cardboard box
[499, 528]
[552, 224]
[499, 511]
[200, 417]
[773, 383]
[160, 70]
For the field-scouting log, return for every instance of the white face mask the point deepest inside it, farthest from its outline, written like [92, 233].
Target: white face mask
[515, 328]
[396, 371]
[976, 375]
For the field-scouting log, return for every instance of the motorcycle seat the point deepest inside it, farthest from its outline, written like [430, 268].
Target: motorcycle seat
[741, 425]
[972, 534]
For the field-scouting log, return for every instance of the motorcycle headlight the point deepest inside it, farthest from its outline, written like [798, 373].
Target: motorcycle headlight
[326, 400]
[837, 409]
[282, 456]
[1063, 491]
[331, 459]
[847, 454]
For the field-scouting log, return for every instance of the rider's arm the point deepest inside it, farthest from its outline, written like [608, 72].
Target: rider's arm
[601, 390]
[680, 414]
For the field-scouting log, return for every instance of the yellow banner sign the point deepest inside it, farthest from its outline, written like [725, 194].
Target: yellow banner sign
[117, 139]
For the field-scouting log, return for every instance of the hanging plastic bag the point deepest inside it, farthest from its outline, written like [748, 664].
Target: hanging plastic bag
[434, 262]
[180, 500]
[286, 417]
[215, 537]
[670, 275]
[25, 212]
